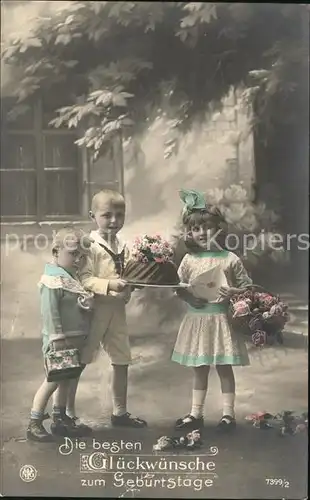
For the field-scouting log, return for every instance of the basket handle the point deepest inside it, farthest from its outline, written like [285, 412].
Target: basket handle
[53, 344]
[258, 287]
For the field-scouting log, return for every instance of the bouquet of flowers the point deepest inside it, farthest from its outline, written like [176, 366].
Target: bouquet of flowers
[287, 422]
[152, 249]
[259, 314]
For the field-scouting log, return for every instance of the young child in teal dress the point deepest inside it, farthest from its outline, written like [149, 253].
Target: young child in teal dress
[66, 313]
[205, 337]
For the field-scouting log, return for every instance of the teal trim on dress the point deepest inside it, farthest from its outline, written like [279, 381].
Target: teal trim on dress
[187, 360]
[211, 308]
[54, 270]
[221, 254]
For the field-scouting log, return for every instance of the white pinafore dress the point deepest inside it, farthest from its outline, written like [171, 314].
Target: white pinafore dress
[205, 337]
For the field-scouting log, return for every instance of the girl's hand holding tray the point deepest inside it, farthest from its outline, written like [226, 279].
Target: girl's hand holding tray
[185, 294]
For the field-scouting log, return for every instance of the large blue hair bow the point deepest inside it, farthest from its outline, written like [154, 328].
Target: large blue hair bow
[193, 200]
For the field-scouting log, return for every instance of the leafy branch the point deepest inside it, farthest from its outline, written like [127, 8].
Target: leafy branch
[204, 49]
[100, 110]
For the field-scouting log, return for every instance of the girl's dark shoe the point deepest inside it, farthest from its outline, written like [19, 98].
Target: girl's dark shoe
[127, 420]
[226, 424]
[37, 432]
[189, 423]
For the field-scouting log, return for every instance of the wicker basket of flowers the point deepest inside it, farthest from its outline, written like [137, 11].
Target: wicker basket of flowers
[259, 314]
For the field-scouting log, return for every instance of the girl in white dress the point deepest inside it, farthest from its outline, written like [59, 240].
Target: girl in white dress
[205, 337]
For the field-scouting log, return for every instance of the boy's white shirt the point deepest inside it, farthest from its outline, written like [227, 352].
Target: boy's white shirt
[99, 268]
[96, 275]
[120, 245]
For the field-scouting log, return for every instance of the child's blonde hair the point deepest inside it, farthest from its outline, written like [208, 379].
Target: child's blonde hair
[107, 195]
[71, 238]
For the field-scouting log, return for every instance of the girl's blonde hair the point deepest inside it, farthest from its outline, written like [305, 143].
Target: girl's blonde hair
[71, 238]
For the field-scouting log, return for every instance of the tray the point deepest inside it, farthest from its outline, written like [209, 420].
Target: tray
[144, 285]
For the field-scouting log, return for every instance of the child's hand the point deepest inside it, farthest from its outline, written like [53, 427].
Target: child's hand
[117, 285]
[227, 292]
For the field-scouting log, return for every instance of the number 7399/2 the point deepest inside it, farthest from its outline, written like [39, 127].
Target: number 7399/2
[284, 483]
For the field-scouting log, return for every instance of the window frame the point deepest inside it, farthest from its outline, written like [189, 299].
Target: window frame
[40, 134]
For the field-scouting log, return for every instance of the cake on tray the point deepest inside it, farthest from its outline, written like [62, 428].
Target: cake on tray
[151, 262]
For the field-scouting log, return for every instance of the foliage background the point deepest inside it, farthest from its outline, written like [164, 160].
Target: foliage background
[125, 59]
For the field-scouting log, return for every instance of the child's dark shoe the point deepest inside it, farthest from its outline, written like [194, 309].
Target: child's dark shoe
[37, 432]
[189, 423]
[66, 426]
[226, 424]
[83, 427]
[127, 420]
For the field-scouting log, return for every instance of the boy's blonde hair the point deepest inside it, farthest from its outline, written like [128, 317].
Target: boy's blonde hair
[107, 195]
[71, 238]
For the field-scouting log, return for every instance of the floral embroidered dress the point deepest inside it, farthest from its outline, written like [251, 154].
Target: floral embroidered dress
[65, 307]
[205, 337]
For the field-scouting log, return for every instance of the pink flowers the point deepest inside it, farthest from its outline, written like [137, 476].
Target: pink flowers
[160, 260]
[259, 338]
[151, 249]
[264, 314]
[241, 308]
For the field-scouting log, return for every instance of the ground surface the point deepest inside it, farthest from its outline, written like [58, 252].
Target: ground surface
[159, 391]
